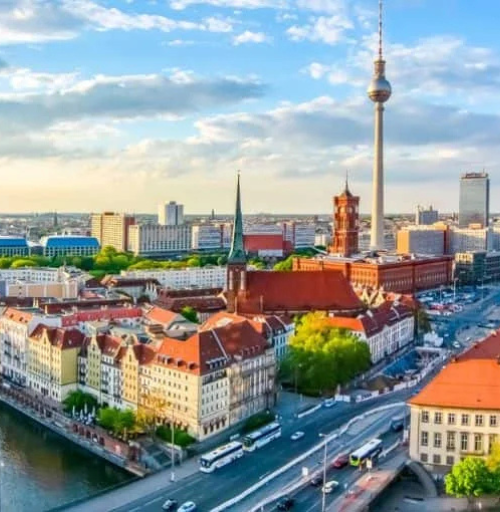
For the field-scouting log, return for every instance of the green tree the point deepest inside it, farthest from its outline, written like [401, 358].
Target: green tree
[222, 260]
[107, 417]
[77, 400]
[469, 478]
[193, 262]
[321, 356]
[23, 263]
[423, 323]
[285, 265]
[189, 313]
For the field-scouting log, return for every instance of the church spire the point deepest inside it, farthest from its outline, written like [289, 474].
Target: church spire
[237, 252]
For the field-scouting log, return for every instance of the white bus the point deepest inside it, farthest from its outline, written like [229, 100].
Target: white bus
[221, 456]
[262, 436]
[370, 450]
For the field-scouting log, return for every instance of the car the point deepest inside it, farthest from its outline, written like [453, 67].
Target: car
[340, 461]
[317, 480]
[330, 486]
[329, 402]
[456, 344]
[170, 505]
[297, 435]
[285, 503]
[189, 506]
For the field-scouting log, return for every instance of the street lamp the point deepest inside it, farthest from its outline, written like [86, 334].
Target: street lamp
[323, 493]
[297, 368]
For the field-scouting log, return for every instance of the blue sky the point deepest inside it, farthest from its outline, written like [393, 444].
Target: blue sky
[123, 104]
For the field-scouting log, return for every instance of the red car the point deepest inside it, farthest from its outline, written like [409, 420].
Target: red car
[340, 461]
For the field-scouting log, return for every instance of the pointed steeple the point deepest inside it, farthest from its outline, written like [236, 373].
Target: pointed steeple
[237, 252]
[346, 192]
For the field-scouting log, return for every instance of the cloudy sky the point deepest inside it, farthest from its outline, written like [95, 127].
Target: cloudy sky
[122, 104]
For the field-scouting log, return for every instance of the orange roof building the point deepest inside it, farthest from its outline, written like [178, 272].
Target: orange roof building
[458, 412]
[269, 292]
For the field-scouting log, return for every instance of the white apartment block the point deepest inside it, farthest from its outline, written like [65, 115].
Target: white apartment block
[207, 237]
[59, 283]
[469, 239]
[171, 214]
[422, 239]
[301, 234]
[202, 277]
[152, 240]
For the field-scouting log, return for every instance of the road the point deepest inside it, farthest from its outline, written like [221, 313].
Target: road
[310, 498]
[210, 490]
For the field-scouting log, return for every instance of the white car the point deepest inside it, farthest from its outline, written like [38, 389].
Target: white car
[330, 486]
[329, 402]
[297, 435]
[456, 344]
[189, 506]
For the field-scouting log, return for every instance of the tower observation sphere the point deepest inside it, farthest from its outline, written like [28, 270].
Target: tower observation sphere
[379, 90]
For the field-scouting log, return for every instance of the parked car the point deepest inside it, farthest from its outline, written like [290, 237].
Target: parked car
[330, 486]
[317, 481]
[340, 461]
[285, 503]
[170, 505]
[189, 506]
[297, 435]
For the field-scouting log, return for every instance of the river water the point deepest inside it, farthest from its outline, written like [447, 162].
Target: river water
[39, 470]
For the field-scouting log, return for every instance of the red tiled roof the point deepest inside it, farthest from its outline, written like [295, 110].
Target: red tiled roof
[161, 315]
[270, 242]
[59, 337]
[465, 384]
[18, 315]
[489, 348]
[200, 304]
[297, 291]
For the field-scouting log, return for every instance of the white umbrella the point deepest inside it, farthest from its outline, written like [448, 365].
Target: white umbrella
[93, 411]
[85, 408]
[73, 413]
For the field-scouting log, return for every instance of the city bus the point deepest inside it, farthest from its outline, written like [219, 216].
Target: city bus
[262, 436]
[370, 450]
[221, 456]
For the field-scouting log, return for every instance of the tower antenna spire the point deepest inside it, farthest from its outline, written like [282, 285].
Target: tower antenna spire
[347, 180]
[380, 6]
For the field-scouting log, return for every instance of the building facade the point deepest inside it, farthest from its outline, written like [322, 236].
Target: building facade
[69, 245]
[155, 240]
[111, 229]
[474, 205]
[386, 329]
[472, 238]
[346, 223]
[14, 246]
[425, 217]
[458, 413]
[422, 239]
[210, 237]
[195, 277]
[395, 274]
[171, 214]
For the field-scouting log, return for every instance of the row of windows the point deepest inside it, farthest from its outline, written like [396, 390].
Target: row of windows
[465, 419]
[436, 459]
[468, 442]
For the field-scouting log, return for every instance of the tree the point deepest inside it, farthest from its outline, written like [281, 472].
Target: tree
[222, 260]
[23, 263]
[117, 421]
[321, 356]
[285, 265]
[469, 479]
[422, 324]
[77, 400]
[189, 313]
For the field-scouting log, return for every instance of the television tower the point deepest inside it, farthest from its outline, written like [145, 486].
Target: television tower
[379, 91]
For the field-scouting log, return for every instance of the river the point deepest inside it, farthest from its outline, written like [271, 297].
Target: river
[39, 470]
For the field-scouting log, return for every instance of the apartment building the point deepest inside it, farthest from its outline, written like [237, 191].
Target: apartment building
[14, 246]
[202, 277]
[16, 325]
[52, 361]
[111, 229]
[211, 237]
[171, 214]
[155, 240]
[385, 329]
[458, 413]
[422, 239]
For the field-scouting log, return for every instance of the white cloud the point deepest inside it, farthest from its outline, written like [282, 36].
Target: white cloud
[326, 29]
[214, 24]
[232, 4]
[179, 42]
[250, 37]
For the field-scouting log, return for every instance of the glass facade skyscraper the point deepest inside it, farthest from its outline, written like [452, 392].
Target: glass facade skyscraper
[474, 206]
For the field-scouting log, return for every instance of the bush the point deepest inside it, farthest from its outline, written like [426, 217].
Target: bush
[258, 420]
[181, 437]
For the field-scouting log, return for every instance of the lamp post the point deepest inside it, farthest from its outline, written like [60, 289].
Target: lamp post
[172, 451]
[297, 368]
[323, 493]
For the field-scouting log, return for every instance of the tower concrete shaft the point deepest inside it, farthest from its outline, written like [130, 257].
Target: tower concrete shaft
[377, 227]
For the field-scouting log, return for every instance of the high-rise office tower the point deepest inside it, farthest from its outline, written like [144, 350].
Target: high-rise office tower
[474, 205]
[171, 214]
[111, 229]
[379, 91]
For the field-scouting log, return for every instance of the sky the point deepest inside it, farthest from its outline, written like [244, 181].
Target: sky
[124, 104]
